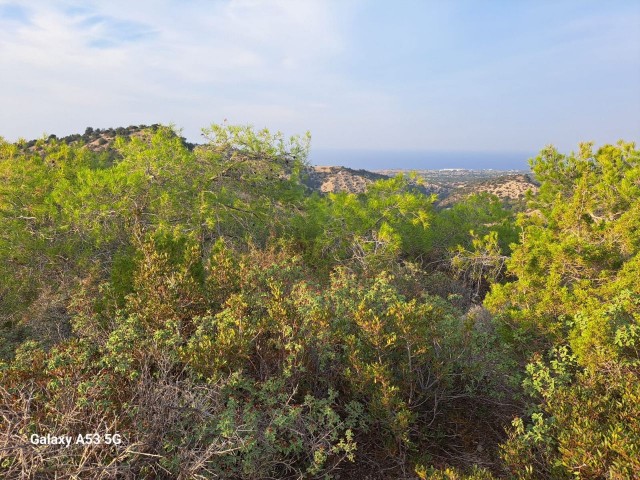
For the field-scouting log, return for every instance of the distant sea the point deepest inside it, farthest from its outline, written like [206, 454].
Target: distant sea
[420, 160]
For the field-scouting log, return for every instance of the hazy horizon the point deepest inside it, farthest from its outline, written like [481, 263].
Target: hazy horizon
[419, 160]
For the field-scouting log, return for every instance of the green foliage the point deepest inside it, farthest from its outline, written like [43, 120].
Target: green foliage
[482, 264]
[250, 353]
[580, 233]
[481, 213]
[370, 230]
[68, 218]
[577, 293]
[201, 302]
[585, 428]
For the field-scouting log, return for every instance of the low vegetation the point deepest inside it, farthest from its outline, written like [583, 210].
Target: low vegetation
[227, 322]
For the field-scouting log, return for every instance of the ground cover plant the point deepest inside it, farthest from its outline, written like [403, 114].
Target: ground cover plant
[224, 321]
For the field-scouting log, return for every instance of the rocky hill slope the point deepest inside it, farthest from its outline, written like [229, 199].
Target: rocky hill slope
[330, 179]
[451, 185]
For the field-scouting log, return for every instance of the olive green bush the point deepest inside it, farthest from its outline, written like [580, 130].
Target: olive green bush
[202, 304]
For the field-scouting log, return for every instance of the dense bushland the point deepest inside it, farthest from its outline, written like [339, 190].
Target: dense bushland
[228, 323]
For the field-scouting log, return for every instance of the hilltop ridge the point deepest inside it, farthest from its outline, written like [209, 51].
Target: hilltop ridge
[450, 184]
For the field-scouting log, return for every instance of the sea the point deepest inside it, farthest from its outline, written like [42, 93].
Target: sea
[420, 160]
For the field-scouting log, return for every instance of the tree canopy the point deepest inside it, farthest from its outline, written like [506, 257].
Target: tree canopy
[227, 322]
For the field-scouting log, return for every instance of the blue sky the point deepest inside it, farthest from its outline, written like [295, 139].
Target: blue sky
[468, 76]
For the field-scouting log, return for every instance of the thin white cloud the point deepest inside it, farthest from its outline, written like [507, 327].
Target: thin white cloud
[321, 65]
[136, 58]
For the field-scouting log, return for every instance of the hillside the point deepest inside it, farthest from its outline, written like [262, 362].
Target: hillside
[331, 179]
[510, 187]
[102, 139]
[451, 185]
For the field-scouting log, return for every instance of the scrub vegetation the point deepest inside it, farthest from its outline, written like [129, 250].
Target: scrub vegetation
[225, 321]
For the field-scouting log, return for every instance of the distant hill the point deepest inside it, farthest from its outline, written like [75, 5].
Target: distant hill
[330, 179]
[451, 185]
[101, 139]
[511, 187]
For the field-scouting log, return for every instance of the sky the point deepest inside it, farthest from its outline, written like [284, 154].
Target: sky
[504, 77]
